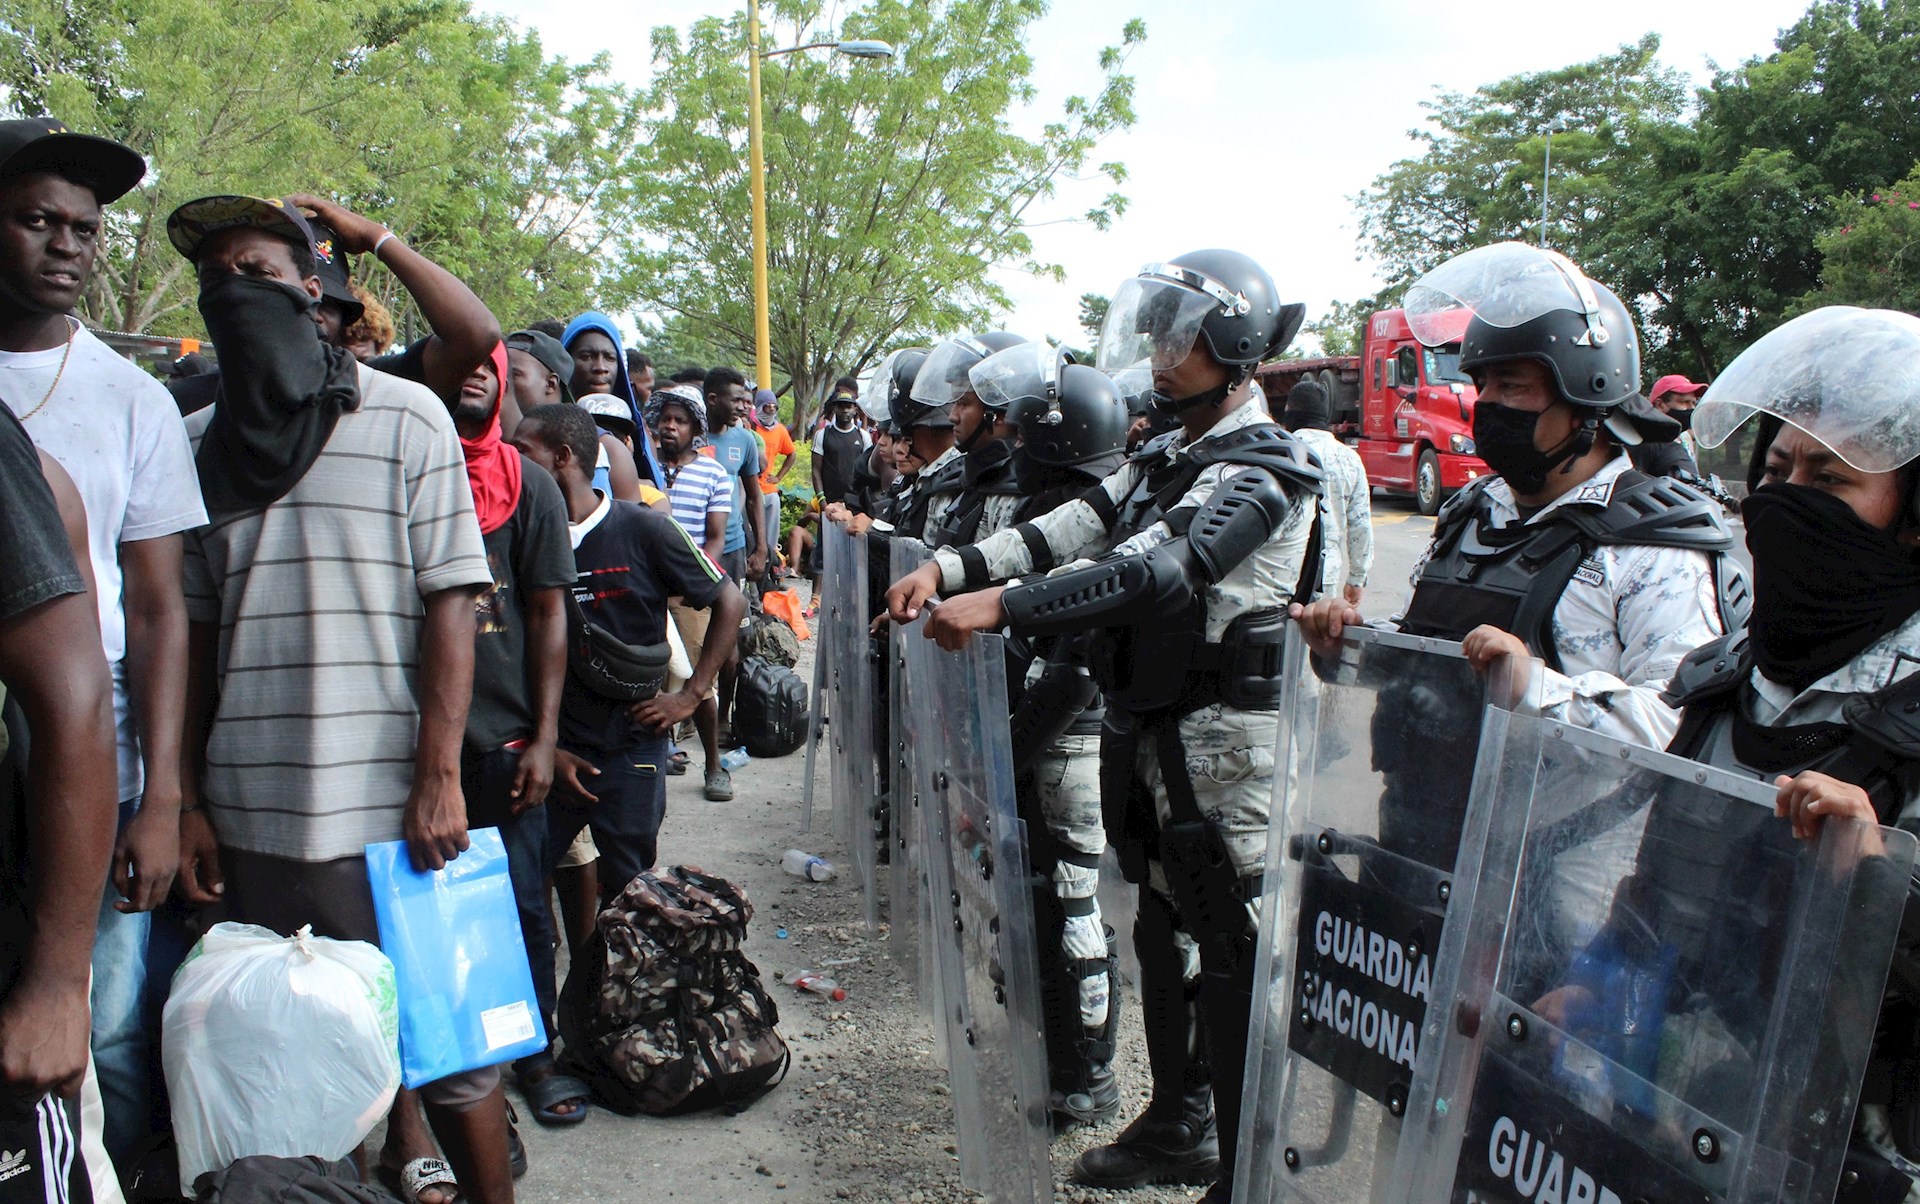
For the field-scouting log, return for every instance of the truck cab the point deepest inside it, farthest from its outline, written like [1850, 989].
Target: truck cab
[1405, 408]
[1416, 413]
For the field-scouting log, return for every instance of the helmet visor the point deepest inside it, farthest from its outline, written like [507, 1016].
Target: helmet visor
[943, 378]
[1507, 284]
[1848, 377]
[874, 395]
[1026, 371]
[1151, 319]
[1135, 386]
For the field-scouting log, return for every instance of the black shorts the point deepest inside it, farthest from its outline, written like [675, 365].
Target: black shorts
[734, 565]
[40, 1160]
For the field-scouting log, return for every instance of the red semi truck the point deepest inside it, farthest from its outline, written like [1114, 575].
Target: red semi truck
[1407, 409]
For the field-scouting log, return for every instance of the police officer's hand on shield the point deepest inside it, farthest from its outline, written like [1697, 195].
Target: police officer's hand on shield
[1322, 622]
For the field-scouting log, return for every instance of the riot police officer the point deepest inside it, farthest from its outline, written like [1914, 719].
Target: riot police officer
[1609, 576]
[1202, 538]
[1816, 696]
[971, 494]
[1072, 430]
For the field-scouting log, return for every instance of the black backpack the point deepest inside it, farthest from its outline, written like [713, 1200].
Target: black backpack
[769, 709]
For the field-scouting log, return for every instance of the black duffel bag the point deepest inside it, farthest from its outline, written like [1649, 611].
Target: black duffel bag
[769, 709]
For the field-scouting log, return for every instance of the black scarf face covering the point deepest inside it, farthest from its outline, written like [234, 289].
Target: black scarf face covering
[281, 391]
[1825, 584]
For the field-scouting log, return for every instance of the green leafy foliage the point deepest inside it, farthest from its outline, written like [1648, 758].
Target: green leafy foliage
[1873, 260]
[504, 165]
[892, 189]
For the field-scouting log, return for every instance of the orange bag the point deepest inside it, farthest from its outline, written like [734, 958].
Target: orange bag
[784, 604]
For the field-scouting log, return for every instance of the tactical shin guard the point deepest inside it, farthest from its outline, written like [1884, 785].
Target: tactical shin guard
[1212, 899]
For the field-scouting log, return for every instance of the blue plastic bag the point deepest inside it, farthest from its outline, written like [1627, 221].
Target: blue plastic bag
[466, 994]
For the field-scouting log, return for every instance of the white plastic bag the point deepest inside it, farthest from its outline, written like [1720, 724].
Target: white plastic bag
[278, 1045]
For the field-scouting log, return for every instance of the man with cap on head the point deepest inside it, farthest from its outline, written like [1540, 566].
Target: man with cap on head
[117, 434]
[1346, 508]
[542, 374]
[1675, 396]
[110, 427]
[463, 330]
[343, 524]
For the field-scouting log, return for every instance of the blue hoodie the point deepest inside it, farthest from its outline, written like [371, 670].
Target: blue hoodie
[647, 460]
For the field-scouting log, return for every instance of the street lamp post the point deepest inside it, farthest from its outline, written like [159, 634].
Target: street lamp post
[756, 155]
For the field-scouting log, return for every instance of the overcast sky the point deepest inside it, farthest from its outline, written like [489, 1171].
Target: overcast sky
[1258, 119]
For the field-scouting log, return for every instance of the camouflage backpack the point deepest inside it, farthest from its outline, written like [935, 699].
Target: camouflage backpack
[663, 1013]
[770, 639]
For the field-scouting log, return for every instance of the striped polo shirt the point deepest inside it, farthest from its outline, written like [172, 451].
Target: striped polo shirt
[696, 489]
[319, 598]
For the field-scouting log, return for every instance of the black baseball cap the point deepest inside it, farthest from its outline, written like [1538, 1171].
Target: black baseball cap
[546, 349]
[335, 269]
[198, 220]
[45, 144]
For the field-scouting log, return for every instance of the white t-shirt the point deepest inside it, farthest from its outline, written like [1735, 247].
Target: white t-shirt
[119, 436]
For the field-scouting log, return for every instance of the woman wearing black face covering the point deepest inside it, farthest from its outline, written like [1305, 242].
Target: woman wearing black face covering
[1818, 695]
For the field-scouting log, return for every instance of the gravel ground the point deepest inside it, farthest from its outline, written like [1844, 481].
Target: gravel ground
[865, 1112]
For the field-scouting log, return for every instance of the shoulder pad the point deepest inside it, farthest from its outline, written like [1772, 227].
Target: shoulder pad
[1462, 504]
[1264, 446]
[1889, 717]
[1715, 668]
[1155, 448]
[947, 480]
[1658, 512]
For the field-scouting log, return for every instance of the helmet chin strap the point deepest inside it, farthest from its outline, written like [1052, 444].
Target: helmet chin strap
[1216, 397]
[1577, 444]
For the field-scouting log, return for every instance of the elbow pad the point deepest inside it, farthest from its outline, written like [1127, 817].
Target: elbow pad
[1124, 591]
[1239, 516]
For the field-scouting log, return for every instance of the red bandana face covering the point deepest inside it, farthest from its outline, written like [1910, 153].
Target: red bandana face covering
[493, 466]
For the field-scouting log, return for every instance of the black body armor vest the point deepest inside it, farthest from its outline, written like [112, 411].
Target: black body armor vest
[1512, 577]
[1171, 665]
[984, 472]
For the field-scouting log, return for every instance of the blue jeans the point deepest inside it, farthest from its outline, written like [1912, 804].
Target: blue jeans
[487, 781]
[121, 1040]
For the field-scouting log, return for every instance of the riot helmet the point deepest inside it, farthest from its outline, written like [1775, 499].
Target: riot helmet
[1848, 377]
[943, 378]
[1069, 415]
[890, 396]
[1221, 298]
[1510, 301]
[1135, 387]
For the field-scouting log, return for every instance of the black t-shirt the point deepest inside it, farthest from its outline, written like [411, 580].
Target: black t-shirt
[840, 452]
[408, 363]
[530, 551]
[630, 560]
[36, 566]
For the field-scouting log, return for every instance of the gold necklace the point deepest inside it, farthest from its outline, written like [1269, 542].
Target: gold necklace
[73, 332]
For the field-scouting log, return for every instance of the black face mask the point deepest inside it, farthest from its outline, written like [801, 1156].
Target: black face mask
[1825, 584]
[1683, 417]
[281, 391]
[1503, 437]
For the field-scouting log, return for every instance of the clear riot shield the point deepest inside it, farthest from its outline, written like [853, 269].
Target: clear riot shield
[1649, 990]
[850, 731]
[816, 718]
[982, 922]
[905, 874]
[1379, 760]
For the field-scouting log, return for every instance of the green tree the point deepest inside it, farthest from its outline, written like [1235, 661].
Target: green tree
[892, 191]
[457, 132]
[1479, 178]
[1873, 259]
[1093, 314]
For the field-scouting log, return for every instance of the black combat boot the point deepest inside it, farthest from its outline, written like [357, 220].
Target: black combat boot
[1174, 1140]
[1172, 1143]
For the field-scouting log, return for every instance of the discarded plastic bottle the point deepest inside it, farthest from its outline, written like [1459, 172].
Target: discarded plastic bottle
[816, 983]
[806, 865]
[733, 759]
